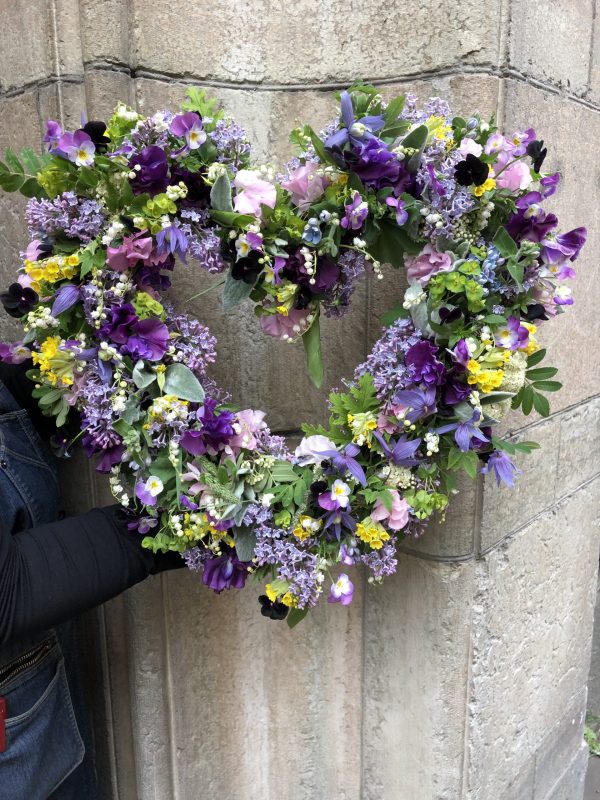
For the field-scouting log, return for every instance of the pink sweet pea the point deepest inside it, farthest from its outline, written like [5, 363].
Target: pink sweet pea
[133, 249]
[516, 176]
[470, 146]
[286, 327]
[397, 518]
[305, 185]
[247, 424]
[424, 266]
[253, 192]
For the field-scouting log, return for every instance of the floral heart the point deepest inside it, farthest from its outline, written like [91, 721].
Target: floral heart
[452, 201]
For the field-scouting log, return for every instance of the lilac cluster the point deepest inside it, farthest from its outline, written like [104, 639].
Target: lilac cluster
[446, 198]
[74, 216]
[147, 133]
[95, 396]
[196, 346]
[257, 515]
[386, 360]
[295, 565]
[382, 562]
[337, 297]
[230, 140]
[205, 248]
[196, 557]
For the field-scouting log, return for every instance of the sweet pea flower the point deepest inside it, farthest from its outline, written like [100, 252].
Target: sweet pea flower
[337, 497]
[311, 449]
[134, 248]
[253, 192]
[78, 148]
[286, 326]
[247, 424]
[225, 572]
[468, 145]
[424, 266]
[341, 591]
[305, 185]
[149, 491]
[148, 340]
[565, 246]
[189, 127]
[515, 177]
[397, 518]
[150, 171]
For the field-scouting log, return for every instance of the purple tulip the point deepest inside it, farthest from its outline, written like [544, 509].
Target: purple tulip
[151, 171]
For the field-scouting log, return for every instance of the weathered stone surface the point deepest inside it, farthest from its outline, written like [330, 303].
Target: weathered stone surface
[104, 89]
[593, 703]
[302, 42]
[531, 639]
[26, 54]
[567, 24]
[105, 33]
[416, 644]
[571, 784]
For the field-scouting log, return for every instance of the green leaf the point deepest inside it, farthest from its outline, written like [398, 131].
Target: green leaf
[31, 188]
[220, 194]
[541, 374]
[11, 182]
[283, 472]
[394, 110]
[536, 358]
[548, 386]
[181, 381]
[245, 542]
[232, 219]
[31, 161]
[122, 427]
[416, 138]
[13, 162]
[312, 347]
[142, 376]
[527, 400]
[388, 243]
[516, 271]
[295, 616]
[505, 244]
[234, 292]
[318, 145]
[541, 404]
[495, 397]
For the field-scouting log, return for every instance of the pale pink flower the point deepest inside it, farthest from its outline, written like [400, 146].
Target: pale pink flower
[247, 424]
[305, 185]
[397, 518]
[516, 176]
[424, 266]
[133, 249]
[253, 192]
[286, 327]
[470, 146]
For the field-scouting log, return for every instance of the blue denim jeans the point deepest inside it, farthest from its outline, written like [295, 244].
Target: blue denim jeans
[45, 755]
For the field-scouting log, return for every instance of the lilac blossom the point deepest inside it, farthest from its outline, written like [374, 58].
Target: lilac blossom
[74, 216]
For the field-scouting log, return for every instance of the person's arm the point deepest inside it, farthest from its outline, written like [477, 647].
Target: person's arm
[53, 572]
[14, 377]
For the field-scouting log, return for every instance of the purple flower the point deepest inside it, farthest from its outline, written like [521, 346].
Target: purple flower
[400, 452]
[530, 221]
[215, 432]
[352, 130]
[335, 498]
[77, 147]
[225, 572]
[151, 171]
[74, 216]
[423, 364]
[564, 246]
[189, 127]
[19, 300]
[148, 492]
[375, 164]
[399, 205]
[503, 468]
[53, 134]
[455, 391]
[464, 432]
[513, 336]
[419, 402]
[66, 297]
[461, 353]
[148, 340]
[119, 323]
[356, 213]
[341, 591]
[172, 240]
[346, 462]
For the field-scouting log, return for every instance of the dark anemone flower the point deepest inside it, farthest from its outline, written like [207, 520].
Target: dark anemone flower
[19, 300]
[537, 152]
[151, 171]
[96, 130]
[272, 609]
[225, 572]
[471, 171]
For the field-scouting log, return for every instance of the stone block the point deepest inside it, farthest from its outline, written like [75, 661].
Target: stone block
[66, 37]
[416, 667]
[579, 451]
[26, 54]
[567, 24]
[506, 509]
[104, 89]
[105, 33]
[560, 122]
[572, 784]
[531, 638]
[304, 42]
[594, 677]
[62, 101]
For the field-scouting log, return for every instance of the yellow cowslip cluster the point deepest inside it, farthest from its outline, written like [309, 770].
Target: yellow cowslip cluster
[307, 526]
[197, 527]
[51, 270]
[362, 427]
[56, 366]
[288, 599]
[486, 380]
[372, 533]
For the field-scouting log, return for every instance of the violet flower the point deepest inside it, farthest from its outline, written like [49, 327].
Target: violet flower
[513, 336]
[564, 246]
[400, 452]
[335, 498]
[352, 130]
[172, 240]
[502, 467]
[346, 462]
[148, 340]
[148, 492]
[77, 147]
[66, 297]
[419, 402]
[225, 572]
[189, 127]
[19, 300]
[423, 365]
[356, 213]
[464, 432]
[338, 519]
[151, 171]
[341, 591]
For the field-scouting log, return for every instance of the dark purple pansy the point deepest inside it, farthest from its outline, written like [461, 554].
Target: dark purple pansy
[151, 171]
[18, 300]
[148, 340]
[423, 365]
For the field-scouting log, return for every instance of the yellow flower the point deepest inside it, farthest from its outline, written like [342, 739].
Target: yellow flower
[271, 593]
[485, 187]
[372, 533]
[307, 526]
[473, 366]
[289, 600]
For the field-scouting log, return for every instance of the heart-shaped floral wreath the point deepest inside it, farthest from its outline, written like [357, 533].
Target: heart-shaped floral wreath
[451, 200]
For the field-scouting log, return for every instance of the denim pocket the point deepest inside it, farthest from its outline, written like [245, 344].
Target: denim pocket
[43, 744]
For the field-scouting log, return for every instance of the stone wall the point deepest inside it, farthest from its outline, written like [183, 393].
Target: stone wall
[463, 678]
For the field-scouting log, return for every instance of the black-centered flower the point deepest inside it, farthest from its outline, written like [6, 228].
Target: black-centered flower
[537, 152]
[273, 610]
[471, 171]
[18, 300]
[96, 130]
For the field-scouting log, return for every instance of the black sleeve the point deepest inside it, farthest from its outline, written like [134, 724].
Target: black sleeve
[14, 377]
[53, 572]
